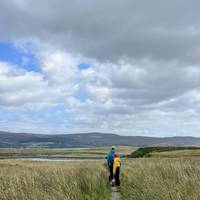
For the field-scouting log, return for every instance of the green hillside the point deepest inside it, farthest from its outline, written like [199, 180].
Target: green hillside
[149, 151]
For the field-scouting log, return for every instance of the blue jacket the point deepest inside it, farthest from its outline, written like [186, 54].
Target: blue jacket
[110, 157]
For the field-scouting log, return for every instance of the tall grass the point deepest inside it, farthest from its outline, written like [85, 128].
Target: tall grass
[161, 179]
[175, 154]
[24, 180]
[142, 179]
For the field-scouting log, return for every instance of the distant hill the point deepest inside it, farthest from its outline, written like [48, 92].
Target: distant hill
[18, 140]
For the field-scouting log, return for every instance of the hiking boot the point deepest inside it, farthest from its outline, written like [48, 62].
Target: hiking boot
[117, 188]
[113, 183]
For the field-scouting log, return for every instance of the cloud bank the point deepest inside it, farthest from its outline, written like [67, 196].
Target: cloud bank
[142, 75]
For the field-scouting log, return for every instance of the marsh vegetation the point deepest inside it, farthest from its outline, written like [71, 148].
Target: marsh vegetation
[161, 179]
[152, 178]
[29, 180]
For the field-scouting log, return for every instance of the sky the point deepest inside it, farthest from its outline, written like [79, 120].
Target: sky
[128, 67]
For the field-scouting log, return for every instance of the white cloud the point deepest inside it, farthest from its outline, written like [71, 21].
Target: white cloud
[125, 98]
[58, 80]
[18, 86]
[144, 74]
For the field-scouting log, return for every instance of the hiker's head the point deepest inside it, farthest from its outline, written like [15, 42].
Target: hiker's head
[115, 155]
[113, 148]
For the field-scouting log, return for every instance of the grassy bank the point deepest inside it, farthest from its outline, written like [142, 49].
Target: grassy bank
[151, 151]
[24, 180]
[161, 179]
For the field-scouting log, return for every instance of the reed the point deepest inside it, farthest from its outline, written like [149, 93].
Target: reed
[24, 180]
[161, 179]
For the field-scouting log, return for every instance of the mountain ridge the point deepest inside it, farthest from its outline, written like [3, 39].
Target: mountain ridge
[26, 140]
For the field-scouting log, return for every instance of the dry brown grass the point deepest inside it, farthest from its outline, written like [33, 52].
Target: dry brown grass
[142, 179]
[26, 180]
[175, 154]
[161, 179]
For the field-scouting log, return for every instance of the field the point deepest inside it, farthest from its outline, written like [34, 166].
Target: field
[172, 152]
[175, 154]
[161, 179]
[62, 153]
[154, 178]
[28, 180]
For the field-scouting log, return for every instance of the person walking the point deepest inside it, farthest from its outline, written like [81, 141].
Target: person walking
[116, 170]
[110, 160]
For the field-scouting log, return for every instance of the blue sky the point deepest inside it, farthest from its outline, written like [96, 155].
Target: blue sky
[83, 66]
[10, 53]
[25, 59]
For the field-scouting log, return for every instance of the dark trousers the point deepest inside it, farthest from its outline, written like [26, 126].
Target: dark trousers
[111, 172]
[117, 181]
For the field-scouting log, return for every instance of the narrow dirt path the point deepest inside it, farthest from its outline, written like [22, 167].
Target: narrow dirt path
[115, 195]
